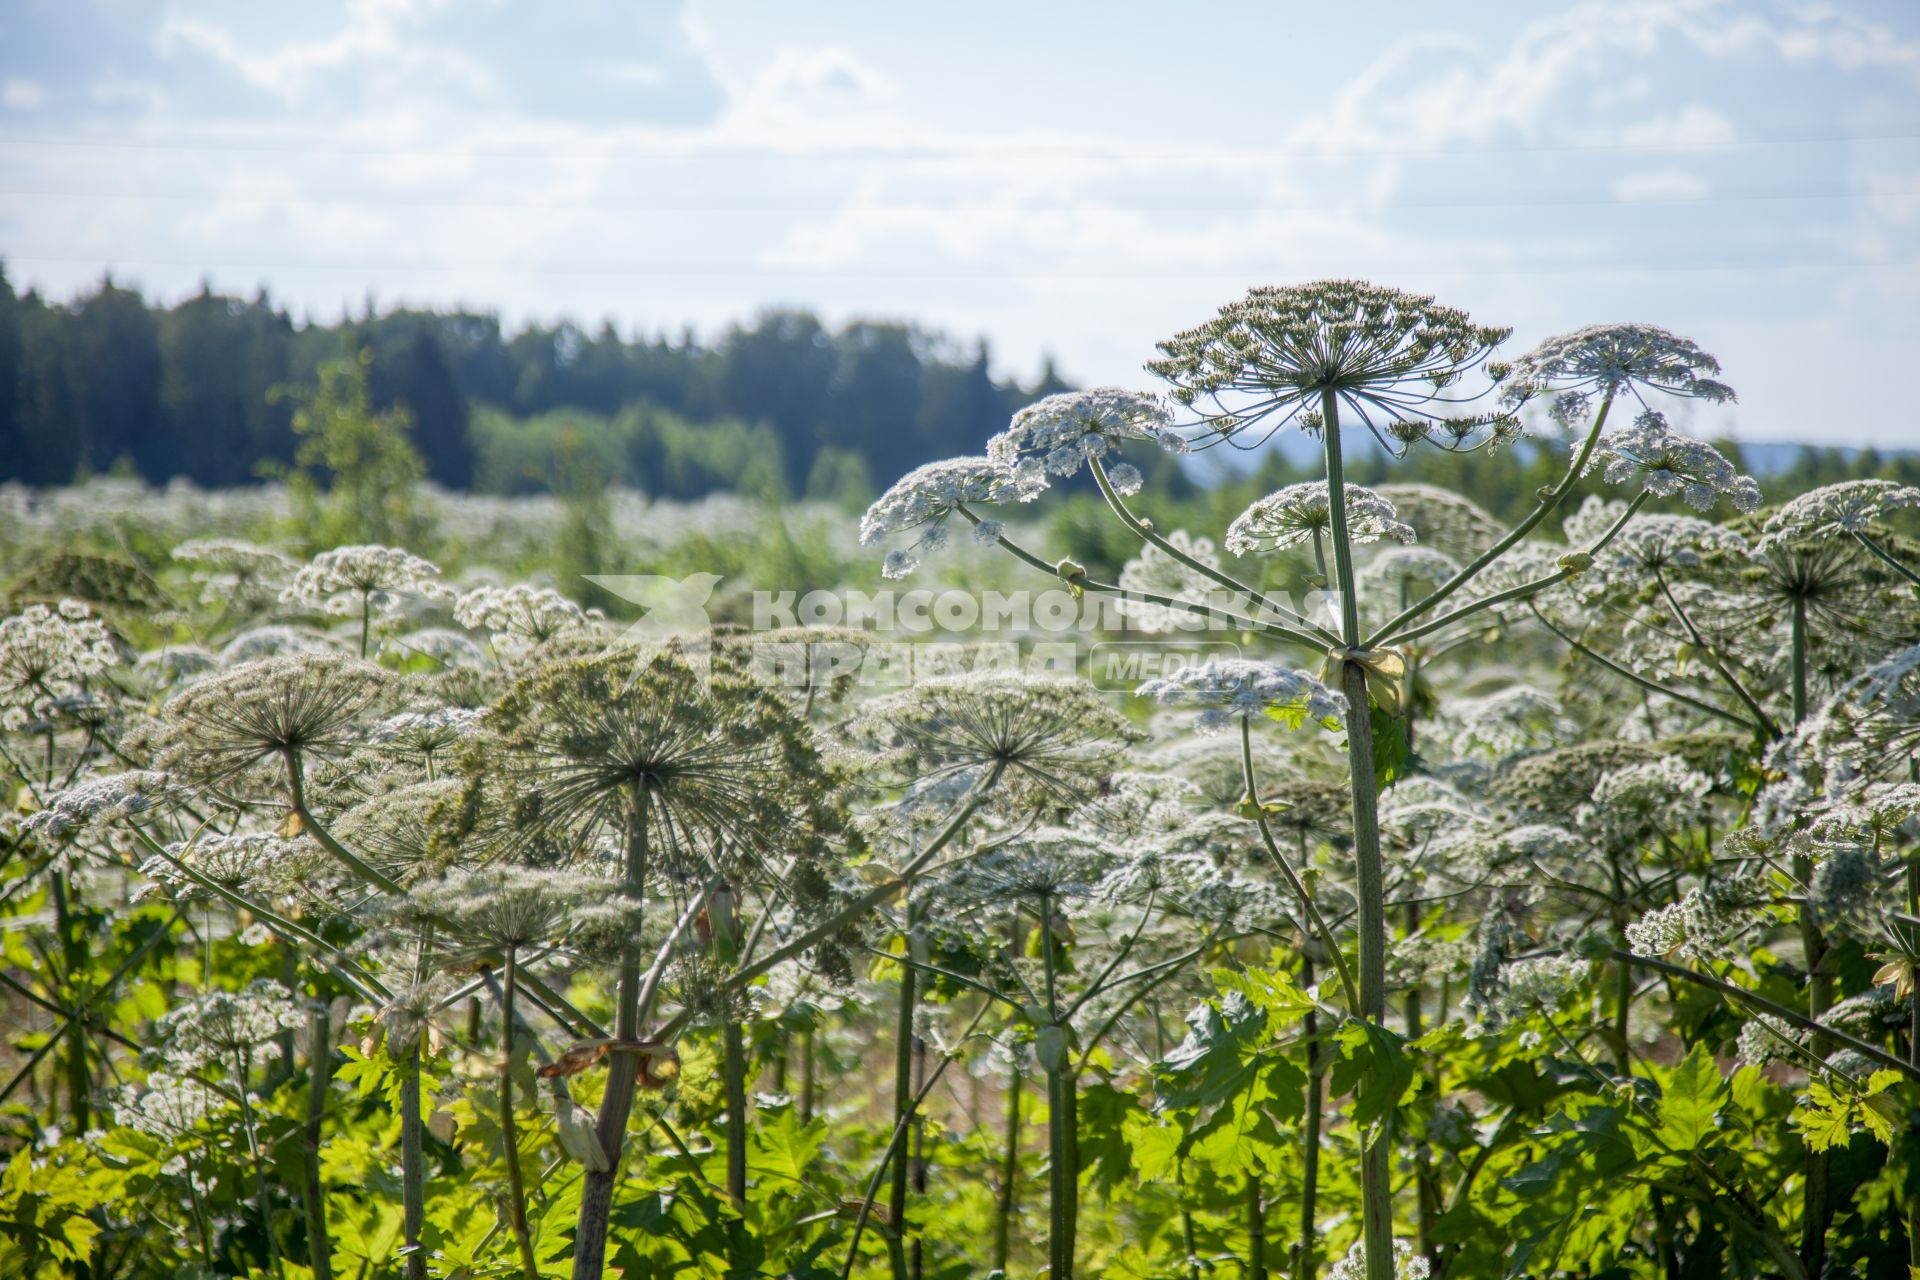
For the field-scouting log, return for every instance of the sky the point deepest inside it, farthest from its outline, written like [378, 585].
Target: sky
[1071, 179]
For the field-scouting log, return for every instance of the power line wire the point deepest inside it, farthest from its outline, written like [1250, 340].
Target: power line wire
[718, 269]
[1551, 200]
[696, 146]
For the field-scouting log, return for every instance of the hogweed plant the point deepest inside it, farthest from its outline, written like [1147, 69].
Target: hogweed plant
[1398, 365]
[1536, 897]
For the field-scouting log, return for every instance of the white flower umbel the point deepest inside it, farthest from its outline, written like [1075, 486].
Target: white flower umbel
[47, 654]
[1667, 464]
[1057, 738]
[1445, 521]
[235, 574]
[1608, 359]
[347, 579]
[1394, 359]
[923, 499]
[220, 1027]
[1836, 510]
[1539, 983]
[518, 616]
[1229, 687]
[102, 801]
[1294, 514]
[1059, 435]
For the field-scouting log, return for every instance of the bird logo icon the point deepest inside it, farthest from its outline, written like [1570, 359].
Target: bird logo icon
[676, 610]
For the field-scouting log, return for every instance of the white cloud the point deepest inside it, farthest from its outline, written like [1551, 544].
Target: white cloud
[379, 40]
[641, 75]
[1660, 184]
[22, 95]
[1813, 33]
[1895, 196]
[1693, 125]
[805, 98]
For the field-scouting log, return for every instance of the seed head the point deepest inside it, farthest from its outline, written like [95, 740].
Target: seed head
[1394, 359]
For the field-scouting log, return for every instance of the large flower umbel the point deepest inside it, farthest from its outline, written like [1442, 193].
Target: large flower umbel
[1667, 464]
[726, 772]
[923, 499]
[1394, 359]
[1063, 433]
[1610, 359]
[298, 708]
[1051, 740]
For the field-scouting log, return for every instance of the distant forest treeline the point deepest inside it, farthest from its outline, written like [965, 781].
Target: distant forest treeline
[783, 406]
[110, 381]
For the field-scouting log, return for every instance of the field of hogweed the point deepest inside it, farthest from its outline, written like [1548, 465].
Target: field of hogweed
[1477, 895]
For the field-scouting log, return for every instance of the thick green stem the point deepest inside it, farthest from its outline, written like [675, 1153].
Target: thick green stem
[1424, 1185]
[313, 1191]
[1913, 1059]
[902, 1097]
[1063, 1182]
[1009, 1174]
[1309, 1248]
[1063, 1125]
[596, 1196]
[297, 796]
[734, 1069]
[1815, 1207]
[916, 1257]
[243, 1087]
[806, 1075]
[509, 1132]
[72, 957]
[1619, 1024]
[1376, 1188]
[1337, 519]
[413, 1162]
